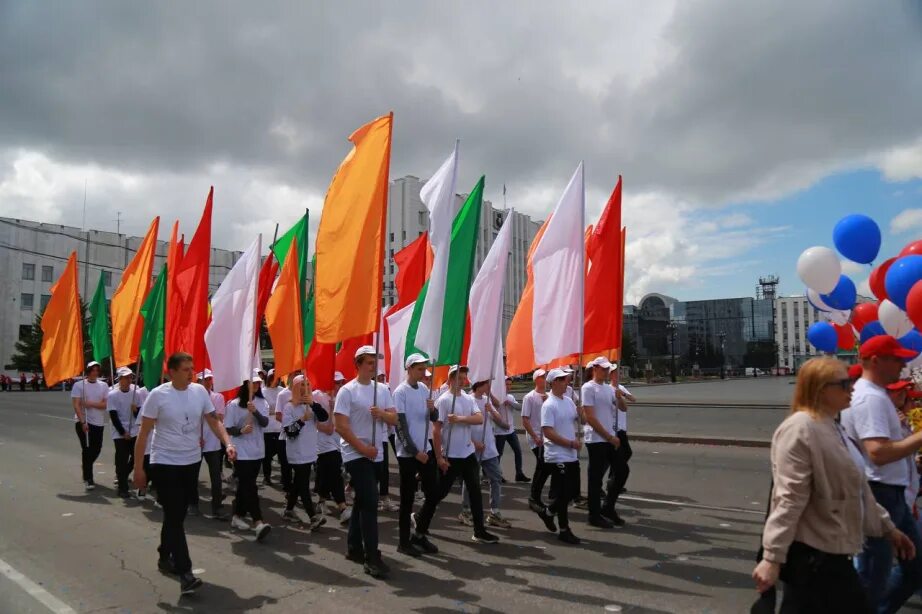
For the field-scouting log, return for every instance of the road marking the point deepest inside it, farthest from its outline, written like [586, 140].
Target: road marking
[47, 599]
[697, 506]
[54, 417]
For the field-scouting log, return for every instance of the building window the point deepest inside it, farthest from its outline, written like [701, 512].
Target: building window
[28, 271]
[45, 299]
[392, 269]
[392, 237]
[422, 219]
[107, 278]
[392, 254]
[47, 273]
[24, 331]
[25, 301]
[404, 237]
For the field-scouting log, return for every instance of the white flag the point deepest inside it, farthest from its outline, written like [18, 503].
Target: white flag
[397, 325]
[231, 336]
[486, 307]
[559, 270]
[439, 197]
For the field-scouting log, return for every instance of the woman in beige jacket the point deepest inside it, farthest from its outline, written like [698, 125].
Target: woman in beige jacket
[821, 504]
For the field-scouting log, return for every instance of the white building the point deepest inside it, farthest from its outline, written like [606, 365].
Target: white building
[793, 317]
[33, 256]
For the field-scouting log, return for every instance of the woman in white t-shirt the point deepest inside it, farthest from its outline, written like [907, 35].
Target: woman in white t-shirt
[245, 419]
[299, 419]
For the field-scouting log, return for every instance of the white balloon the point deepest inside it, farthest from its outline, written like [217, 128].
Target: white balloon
[814, 297]
[837, 317]
[820, 269]
[894, 320]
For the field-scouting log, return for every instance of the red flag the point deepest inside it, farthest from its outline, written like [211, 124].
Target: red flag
[173, 299]
[604, 283]
[266, 277]
[345, 357]
[192, 291]
[320, 364]
[413, 264]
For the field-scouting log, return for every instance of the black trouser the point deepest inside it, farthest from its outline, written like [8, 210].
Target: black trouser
[513, 440]
[330, 477]
[540, 476]
[363, 525]
[428, 473]
[124, 461]
[285, 465]
[214, 461]
[193, 493]
[601, 457]
[174, 483]
[150, 478]
[247, 500]
[468, 469]
[619, 473]
[301, 488]
[816, 583]
[89, 452]
[384, 474]
[564, 487]
[272, 449]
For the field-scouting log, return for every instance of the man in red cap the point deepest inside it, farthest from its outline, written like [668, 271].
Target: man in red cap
[872, 420]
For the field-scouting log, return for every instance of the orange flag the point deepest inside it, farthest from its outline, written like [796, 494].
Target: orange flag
[173, 298]
[62, 328]
[350, 240]
[520, 346]
[128, 298]
[283, 316]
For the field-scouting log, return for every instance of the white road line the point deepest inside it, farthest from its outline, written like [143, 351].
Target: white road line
[698, 506]
[50, 416]
[47, 599]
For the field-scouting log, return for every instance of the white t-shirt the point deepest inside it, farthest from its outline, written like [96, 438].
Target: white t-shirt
[621, 417]
[559, 414]
[271, 395]
[354, 400]
[484, 433]
[251, 446]
[121, 402]
[601, 398]
[281, 399]
[456, 438]
[412, 402]
[179, 415]
[873, 415]
[508, 414]
[143, 393]
[571, 394]
[303, 448]
[531, 408]
[212, 443]
[326, 443]
[96, 392]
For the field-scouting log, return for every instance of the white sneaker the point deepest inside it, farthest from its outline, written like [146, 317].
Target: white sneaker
[240, 524]
[345, 515]
[466, 519]
[385, 505]
[332, 508]
[497, 520]
[317, 521]
[261, 529]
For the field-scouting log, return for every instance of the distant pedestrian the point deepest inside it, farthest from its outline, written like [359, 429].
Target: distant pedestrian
[121, 403]
[22, 382]
[89, 397]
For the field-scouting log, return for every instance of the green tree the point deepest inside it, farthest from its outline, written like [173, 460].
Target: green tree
[28, 356]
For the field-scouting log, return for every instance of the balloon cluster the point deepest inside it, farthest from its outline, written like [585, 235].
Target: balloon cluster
[897, 284]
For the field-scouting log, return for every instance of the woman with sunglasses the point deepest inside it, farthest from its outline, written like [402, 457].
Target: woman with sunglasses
[299, 419]
[821, 505]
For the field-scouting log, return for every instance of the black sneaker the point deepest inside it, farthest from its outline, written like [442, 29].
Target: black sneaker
[600, 522]
[522, 478]
[613, 516]
[375, 567]
[548, 519]
[567, 537]
[410, 549]
[356, 556]
[535, 506]
[422, 542]
[188, 583]
[484, 537]
[166, 566]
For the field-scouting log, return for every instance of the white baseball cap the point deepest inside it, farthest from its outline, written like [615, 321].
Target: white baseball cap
[366, 349]
[538, 373]
[297, 379]
[337, 377]
[428, 373]
[271, 372]
[256, 379]
[567, 370]
[454, 368]
[415, 359]
[92, 364]
[124, 372]
[556, 374]
[600, 361]
[613, 366]
[206, 374]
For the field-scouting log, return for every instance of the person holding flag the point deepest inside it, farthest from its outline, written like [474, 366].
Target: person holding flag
[122, 405]
[415, 410]
[362, 411]
[601, 439]
[488, 456]
[508, 434]
[89, 397]
[299, 419]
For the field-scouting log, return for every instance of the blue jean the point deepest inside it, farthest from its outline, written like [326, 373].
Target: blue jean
[513, 440]
[890, 587]
[493, 472]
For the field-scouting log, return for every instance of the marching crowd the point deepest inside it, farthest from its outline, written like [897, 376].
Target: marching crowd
[342, 437]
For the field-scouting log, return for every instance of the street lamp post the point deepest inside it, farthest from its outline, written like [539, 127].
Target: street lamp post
[723, 337]
[671, 326]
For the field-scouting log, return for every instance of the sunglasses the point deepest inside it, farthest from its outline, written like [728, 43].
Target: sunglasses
[844, 384]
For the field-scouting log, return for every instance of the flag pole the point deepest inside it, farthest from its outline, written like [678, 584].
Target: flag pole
[582, 304]
[499, 320]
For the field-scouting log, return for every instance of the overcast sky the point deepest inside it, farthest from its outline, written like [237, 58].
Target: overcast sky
[710, 109]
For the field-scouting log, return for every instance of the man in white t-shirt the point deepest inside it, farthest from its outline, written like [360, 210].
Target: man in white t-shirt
[212, 451]
[90, 397]
[531, 422]
[872, 420]
[508, 435]
[485, 448]
[362, 412]
[620, 469]
[601, 441]
[560, 427]
[176, 409]
[122, 403]
[283, 397]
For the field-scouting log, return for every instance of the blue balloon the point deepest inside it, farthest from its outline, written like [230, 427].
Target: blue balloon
[901, 277]
[912, 341]
[857, 237]
[823, 337]
[843, 296]
[872, 329]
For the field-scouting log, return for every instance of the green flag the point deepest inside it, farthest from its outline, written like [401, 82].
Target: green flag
[460, 273]
[100, 337]
[154, 313]
[310, 311]
[280, 249]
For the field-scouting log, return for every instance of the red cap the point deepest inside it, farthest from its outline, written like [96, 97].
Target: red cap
[885, 345]
[914, 394]
[855, 371]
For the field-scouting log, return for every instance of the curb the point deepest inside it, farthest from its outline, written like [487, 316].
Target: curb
[701, 440]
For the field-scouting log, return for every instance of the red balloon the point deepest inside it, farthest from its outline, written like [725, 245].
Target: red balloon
[846, 336]
[914, 304]
[912, 248]
[878, 276]
[862, 314]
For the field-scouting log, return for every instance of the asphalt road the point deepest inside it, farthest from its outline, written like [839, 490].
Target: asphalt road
[694, 516]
